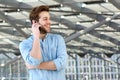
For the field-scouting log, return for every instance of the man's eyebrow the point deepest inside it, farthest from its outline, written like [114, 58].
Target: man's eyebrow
[45, 17]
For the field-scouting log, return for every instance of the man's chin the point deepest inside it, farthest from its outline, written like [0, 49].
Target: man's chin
[48, 31]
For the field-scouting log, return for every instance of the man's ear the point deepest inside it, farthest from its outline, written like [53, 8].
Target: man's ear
[34, 21]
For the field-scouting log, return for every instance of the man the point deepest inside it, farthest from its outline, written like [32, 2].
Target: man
[44, 53]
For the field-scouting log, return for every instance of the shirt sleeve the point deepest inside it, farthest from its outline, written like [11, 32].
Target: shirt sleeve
[25, 49]
[61, 59]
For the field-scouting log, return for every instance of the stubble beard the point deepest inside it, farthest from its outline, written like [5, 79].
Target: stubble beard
[43, 30]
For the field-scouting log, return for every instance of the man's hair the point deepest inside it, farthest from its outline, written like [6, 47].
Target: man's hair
[34, 14]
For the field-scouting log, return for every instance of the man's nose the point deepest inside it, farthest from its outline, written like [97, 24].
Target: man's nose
[49, 22]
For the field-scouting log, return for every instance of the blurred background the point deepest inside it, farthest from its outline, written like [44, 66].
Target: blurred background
[91, 29]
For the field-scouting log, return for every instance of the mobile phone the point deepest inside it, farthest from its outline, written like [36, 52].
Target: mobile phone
[41, 28]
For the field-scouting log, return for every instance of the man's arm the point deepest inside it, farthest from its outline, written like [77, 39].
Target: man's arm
[47, 65]
[58, 63]
[36, 52]
[30, 50]
[43, 65]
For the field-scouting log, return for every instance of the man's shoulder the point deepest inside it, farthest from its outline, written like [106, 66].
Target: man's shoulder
[26, 41]
[55, 35]
[56, 38]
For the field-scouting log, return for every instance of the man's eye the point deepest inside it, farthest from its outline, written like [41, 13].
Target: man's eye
[44, 19]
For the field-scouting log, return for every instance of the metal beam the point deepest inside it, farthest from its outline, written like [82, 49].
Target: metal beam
[65, 22]
[9, 2]
[99, 18]
[7, 46]
[91, 44]
[7, 56]
[80, 1]
[96, 33]
[81, 50]
[4, 17]
[80, 33]
[89, 52]
[116, 3]
[104, 37]
[87, 12]
[16, 4]
[97, 55]
[12, 61]
[9, 31]
[4, 52]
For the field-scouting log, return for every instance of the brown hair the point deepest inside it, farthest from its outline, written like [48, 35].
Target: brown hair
[34, 14]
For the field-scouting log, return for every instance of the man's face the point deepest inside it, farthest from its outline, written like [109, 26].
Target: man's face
[44, 20]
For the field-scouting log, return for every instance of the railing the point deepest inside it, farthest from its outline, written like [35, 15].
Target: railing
[87, 68]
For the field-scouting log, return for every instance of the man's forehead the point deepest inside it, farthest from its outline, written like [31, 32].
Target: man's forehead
[44, 15]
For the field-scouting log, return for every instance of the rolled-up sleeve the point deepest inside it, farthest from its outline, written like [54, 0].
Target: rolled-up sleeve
[61, 59]
[25, 52]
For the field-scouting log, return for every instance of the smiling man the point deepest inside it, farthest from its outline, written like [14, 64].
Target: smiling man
[44, 53]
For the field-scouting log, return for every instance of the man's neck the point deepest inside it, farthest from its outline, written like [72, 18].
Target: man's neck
[42, 36]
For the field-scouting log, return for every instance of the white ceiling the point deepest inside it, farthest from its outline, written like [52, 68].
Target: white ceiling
[80, 22]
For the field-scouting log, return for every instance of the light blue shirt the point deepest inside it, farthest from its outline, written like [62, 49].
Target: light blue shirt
[52, 48]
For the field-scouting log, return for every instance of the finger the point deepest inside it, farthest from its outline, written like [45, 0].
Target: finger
[37, 25]
[34, 25]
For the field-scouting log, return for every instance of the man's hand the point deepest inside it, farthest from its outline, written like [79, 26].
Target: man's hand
[35, 29]
[30, 66]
